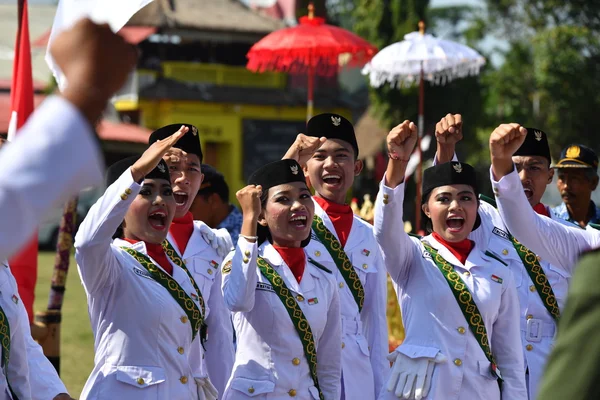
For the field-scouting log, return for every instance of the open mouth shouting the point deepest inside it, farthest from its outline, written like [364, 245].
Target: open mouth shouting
[299, 221]
[455, 223]
[158, 219]
[181, 198]
[332, 180]
[528, 192]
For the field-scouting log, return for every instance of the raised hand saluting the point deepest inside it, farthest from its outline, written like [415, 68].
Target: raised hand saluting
[303, 148]
[152, 156]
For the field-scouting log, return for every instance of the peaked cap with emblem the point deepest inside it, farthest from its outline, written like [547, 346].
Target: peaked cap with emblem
[450, 173]
[332, 126]
[535, 144]
[190, 142]
[273, 174]
[117, 169]
[577, 156]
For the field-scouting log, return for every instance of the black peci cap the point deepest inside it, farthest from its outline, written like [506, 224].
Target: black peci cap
[332, 126]
[535, 144]
[190, 142]
[117, 169]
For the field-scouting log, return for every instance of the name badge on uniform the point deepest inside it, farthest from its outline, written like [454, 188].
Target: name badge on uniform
[264, 286]
[499, 232]
[313, 301]
[142, 273]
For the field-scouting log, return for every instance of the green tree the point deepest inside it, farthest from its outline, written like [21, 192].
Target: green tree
[550, 78]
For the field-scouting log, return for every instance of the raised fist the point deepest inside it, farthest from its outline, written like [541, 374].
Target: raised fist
[249, 199]
[449, 129]
[506, 140]
[303, 148]
[401, 141]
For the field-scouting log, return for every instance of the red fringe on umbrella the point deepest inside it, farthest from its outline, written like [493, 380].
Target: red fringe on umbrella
[312, 46]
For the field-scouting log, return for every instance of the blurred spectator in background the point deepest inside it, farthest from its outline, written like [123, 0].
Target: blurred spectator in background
[211, 204]
[577, 172]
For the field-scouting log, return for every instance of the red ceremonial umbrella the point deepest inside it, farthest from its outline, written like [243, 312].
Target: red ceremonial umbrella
[312, 47]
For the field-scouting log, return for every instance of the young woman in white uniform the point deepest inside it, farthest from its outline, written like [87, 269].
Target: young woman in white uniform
[143, 302]
[286, 306]
[459, 302]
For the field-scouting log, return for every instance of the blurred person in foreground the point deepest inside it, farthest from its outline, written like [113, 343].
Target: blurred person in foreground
[55, 155]
[573, 368]
[212, 206]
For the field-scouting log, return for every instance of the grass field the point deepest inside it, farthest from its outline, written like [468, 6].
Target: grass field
[77, 342]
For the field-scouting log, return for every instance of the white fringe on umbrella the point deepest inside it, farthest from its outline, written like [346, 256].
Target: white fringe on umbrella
[442, 61]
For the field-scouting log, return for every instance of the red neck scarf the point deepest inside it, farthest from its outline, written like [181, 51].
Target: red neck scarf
[460, 250]
[340, 214]
[295, 258]
[181, 229]
[541, 209]
[157, 253]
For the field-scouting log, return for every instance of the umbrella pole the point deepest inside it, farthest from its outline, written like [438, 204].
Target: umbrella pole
[48, 323]
[309, 104]
[420, 151]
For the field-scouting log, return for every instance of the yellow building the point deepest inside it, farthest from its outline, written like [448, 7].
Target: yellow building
[192, 69]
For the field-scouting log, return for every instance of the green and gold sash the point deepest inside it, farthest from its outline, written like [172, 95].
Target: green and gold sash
[298, 319]
[195, 315]
[5, 340]
[339, 256]
[534, 270]
[467, 305]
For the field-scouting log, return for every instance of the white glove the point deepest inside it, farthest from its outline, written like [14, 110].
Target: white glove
[221, 244]
[411, 377]
[206, 390]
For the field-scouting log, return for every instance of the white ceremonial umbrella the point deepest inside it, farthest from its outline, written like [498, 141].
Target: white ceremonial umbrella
[422, 57]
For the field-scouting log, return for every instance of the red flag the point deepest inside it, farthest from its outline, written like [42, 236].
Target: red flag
[24, 264]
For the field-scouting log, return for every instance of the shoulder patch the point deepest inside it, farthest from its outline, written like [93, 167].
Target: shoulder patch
[320, 266]
[499, 232]
[226, 267]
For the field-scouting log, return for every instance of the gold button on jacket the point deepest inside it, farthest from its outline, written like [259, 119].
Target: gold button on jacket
[180, 350]
[292, 392]
[461, 330]
[140, 381]
[184, 319]
[458, 362]
[250, 390]
[183, 379]
[296, 361]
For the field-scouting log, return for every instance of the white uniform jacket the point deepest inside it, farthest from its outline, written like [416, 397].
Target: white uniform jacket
[54, 156]
[434, 321]
[43, 379]
[364, 335]
[203, 262]
[142, 336]
[270, 361]
[556, 242]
